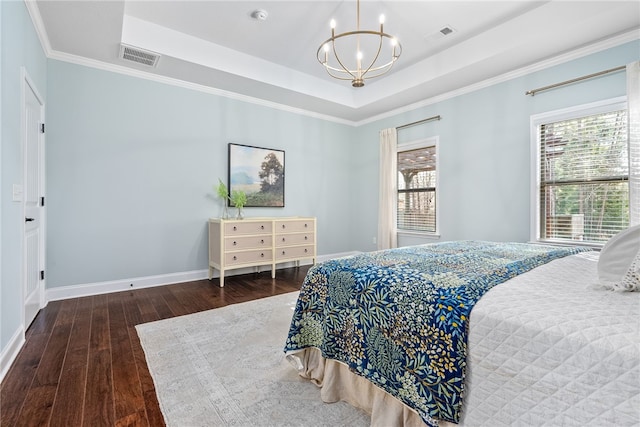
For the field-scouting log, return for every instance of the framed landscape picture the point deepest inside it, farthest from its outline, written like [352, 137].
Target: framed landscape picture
[259, 172]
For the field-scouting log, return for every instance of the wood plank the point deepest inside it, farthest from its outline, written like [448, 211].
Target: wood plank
[146, 309]
[158, 302]
[189, 298]
[176, 307]
[138, 309]
[128, 400]
[98, 402]
[43, 389]
[153, 412]
[69, 403]
[45, 319]
[18, 380]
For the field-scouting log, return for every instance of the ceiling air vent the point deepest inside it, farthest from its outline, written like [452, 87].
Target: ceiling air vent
[446, 31]
[141, 56]
[441, 33]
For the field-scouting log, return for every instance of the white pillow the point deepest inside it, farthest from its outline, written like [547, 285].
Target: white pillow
[617, 255]
[631, 281]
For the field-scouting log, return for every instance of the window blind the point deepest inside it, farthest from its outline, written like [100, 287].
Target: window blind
[417, 189]
[584, 177]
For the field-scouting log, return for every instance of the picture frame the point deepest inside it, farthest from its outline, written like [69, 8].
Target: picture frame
[259, 172]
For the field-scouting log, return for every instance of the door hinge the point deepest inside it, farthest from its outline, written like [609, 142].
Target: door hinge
[41, 274]
[41, 127]
[42, 201]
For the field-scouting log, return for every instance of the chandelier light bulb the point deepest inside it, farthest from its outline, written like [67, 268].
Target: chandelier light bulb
[394, 42]
[359, 55]
[332, 24]
[382, 19]
[326, 47]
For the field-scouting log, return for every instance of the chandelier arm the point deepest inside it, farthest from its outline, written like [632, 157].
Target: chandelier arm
[378, 68]
[375, 59]
[335, 53]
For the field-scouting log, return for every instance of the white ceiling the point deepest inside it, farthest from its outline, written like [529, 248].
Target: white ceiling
[218, 45]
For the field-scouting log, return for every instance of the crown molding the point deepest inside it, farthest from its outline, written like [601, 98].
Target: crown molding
[38, 24]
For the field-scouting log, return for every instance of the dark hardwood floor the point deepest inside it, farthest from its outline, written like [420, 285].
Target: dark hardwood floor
[82, 363]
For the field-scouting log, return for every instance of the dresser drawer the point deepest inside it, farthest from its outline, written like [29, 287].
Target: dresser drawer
[295, 252]
[247, 227]
[294, 239]
[248, 257]
[293, 225]
[234, 243]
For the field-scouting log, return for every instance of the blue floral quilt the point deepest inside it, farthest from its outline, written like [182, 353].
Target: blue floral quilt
[400, 317]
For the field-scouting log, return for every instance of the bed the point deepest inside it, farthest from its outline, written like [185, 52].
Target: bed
[470, 333]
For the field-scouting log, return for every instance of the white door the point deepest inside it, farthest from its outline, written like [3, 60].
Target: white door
[32, 193]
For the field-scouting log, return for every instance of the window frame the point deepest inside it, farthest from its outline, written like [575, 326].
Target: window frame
[536, 120]
[433, 141]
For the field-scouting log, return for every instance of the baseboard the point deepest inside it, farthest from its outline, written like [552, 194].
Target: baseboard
[10, 352]
[98, 288]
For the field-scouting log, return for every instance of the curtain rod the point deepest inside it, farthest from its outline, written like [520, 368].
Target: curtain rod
[428, 119]
[590, 76]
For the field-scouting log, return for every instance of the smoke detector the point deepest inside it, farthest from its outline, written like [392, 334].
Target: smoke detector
[259, 15]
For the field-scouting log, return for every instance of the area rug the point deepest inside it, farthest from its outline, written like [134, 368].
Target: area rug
[226, 367]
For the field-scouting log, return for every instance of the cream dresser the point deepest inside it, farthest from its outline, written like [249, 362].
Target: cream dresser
[254, 242]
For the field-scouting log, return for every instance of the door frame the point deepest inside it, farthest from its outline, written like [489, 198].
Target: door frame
[27, 83]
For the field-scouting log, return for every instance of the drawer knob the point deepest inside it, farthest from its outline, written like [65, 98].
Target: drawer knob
[305, 225]
[283, 239]
[235, 243]
[262, 227]
[235, 228]
[262, 255]
[305, 250]
[235, 257]
[262, 241]
[282, 252]
[305, 237]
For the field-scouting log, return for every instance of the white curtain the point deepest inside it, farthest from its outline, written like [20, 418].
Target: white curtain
[387, 215]
[633, 100]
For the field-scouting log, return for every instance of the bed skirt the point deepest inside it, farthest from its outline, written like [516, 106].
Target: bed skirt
[338, 383]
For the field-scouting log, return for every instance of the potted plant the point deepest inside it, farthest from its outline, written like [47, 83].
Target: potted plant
[238, 198]
[223, 193]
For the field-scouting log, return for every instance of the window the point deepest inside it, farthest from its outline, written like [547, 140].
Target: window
[417, 184]
[582, 169]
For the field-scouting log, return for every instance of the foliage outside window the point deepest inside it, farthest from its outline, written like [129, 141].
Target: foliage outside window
[417, 189]
[583, 192]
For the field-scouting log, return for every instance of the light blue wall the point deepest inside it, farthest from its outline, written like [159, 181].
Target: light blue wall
[131, 165]
[484, 188]
[20, 47]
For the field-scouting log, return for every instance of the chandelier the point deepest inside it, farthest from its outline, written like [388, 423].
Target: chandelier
[331, 53]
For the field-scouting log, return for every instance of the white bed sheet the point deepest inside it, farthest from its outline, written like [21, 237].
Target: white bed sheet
[550, 347]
